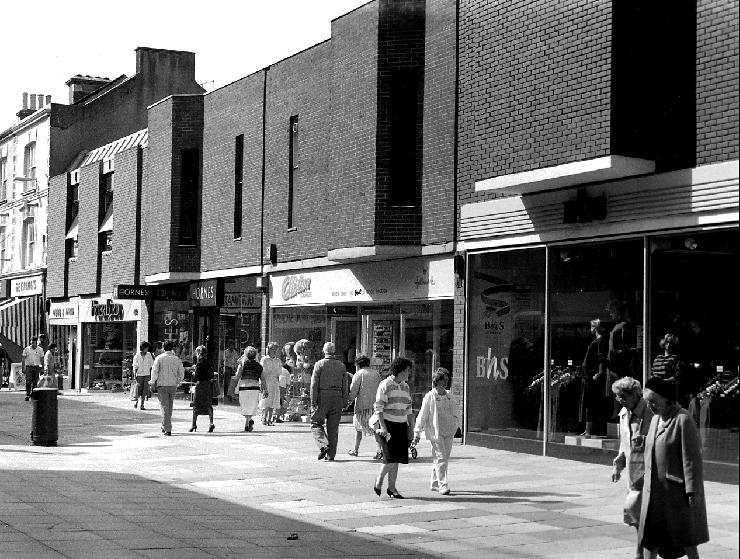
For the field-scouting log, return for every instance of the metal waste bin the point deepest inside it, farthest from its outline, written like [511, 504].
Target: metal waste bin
[60, 382]
[45, 419]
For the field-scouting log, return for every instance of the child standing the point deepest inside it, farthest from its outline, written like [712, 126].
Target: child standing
[439, 421]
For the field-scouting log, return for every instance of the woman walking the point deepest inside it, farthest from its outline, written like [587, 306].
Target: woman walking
[674, 513]
[363, 390]
[250, 374]
[203, 376]
[395, 420]
[272, 367]
[438, 419]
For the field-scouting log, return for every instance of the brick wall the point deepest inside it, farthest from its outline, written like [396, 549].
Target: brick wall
[56, 230]
[230, 111]
[534, 87]
[300, 86]
[401, 50]
[120, 265]
[717, 81]
[438, 193]
[84, 274]
[351, 198]
[175, 124]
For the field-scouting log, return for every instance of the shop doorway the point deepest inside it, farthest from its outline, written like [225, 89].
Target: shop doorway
[344, 336]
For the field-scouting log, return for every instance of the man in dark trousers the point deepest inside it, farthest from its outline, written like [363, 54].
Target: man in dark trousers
[329, 393]
[33, 359]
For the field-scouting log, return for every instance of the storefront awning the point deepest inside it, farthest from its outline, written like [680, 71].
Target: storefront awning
[20, 319]
[74, 229]
[107, 221]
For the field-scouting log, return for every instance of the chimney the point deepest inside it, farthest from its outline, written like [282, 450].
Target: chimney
[25, 111]
[81, 86]
[154, 62]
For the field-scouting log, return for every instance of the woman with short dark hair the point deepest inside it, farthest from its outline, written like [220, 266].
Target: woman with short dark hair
[395, 421]
[203, 377]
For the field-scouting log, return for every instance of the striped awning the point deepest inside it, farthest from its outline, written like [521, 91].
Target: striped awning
[20, 319]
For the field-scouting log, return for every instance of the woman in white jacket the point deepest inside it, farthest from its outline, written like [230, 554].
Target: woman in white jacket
[439, 420]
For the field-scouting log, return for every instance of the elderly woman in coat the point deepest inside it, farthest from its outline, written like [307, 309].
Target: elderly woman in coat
[635, 418]
[673, 514]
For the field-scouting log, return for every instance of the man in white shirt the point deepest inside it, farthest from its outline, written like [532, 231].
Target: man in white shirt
[142, 365]
[167, 373]
[33, 358]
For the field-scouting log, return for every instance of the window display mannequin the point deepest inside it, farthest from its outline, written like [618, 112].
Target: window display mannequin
[303, 370]
[598, 395]
[622, 340]
[668, 366]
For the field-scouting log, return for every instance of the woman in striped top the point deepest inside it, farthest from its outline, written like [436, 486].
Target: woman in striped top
[393, 410]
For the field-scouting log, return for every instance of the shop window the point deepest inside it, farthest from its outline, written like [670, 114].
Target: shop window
[600, 283]
[4, 244]
[108, 350]
[506, 343]
[189, 170]
[173, 321]
[694, 296]
[292, 169]
[238, 184]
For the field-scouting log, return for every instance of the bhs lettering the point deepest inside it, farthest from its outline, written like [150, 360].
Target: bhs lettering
[491, 365]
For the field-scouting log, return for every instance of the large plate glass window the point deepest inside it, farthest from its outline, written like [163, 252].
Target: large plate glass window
[506, 343]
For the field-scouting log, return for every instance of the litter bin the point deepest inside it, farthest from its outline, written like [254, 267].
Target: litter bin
[45, 419]
[60, 383]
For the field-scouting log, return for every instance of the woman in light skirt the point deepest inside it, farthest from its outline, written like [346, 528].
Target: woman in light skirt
[364, 387]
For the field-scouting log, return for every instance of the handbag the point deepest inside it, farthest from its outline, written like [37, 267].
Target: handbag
[134, 392]
[215, 391]
[232, 386]
[458, 434]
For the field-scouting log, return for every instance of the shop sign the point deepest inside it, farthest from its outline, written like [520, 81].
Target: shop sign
[109, 310]
[411, 279]
[151, 292]
[65, 313]
[207, 293]
[242, 301]
[21, 287]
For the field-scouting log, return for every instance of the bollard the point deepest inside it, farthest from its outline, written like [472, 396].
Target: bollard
[45, 418]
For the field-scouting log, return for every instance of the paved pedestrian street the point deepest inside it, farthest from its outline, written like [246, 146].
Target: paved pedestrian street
[115, 488]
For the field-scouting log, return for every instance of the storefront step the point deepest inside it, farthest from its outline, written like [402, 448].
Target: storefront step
[604, 444]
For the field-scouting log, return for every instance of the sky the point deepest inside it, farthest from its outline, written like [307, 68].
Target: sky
[48, 42]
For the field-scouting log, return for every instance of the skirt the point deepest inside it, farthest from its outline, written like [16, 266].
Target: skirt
[273, 398]
[202, 404]
[396, 450]
[248, 400]
[360, 421]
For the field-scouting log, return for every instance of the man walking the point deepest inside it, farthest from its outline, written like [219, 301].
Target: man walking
[329, 393]
[229, 362]
[167, 373]
[33, 359]
[143, 362]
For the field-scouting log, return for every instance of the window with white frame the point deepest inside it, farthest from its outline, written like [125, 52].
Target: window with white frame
[29, 166]
[29, 242]
[3, 179]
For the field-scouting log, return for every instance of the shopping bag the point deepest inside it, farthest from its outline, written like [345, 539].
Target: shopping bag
[134, 392]
[215, 391]
[232, 386]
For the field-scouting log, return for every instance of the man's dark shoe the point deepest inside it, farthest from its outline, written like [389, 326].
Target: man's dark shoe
[322, 452]
[28, 398]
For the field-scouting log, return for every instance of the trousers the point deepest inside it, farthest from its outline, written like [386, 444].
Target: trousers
[329, 413]
[166, 395]
[32, 378]
[441, 450]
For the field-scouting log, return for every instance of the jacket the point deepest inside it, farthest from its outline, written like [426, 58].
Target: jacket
[167, 370]
[364, 388]
[636, 470]
[430, 421]
[329, 376]
[673, 468]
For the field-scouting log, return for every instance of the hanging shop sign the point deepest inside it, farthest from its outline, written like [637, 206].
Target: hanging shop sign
[409, 279]
[242, 301]
[64, 313]
[21, 287]
[208, 293]
[109, 310]
[151, 292]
